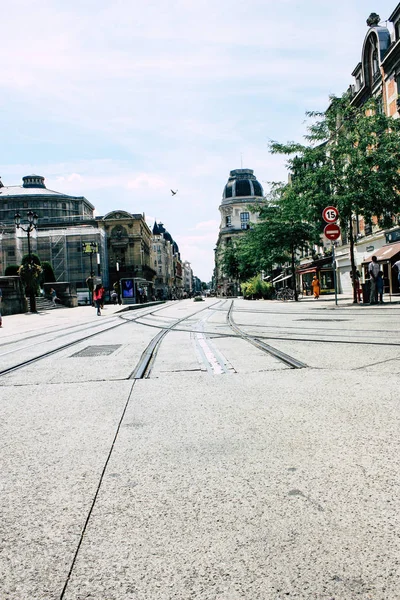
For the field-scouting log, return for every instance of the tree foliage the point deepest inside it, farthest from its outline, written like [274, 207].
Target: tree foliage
[255, 288]
[48, 272]
[11, 270]
[350, 160]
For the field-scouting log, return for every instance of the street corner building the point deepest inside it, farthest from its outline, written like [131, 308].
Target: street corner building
[241, 198]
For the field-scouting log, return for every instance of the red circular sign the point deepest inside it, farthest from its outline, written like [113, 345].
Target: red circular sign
[330, 214]
[332, 231]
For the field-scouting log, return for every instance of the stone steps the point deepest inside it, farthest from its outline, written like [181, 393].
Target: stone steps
[46, 304]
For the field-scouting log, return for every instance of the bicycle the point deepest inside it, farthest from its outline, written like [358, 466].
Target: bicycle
[285, 294]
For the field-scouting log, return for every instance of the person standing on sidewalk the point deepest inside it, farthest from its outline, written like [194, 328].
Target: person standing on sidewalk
[98, 297]
[397, 265]
[373, 270]
[380, 284]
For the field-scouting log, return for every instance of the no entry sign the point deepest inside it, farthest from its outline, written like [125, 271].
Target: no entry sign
[332, 231]
[330, 214]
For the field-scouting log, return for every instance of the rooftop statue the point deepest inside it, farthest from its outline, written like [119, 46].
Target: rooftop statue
[373, 20]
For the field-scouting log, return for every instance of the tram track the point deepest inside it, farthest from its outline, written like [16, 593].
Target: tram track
[65, 346]
[291, 362]
[146, 362]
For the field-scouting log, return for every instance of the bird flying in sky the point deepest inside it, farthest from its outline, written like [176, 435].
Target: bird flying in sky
[173, 193]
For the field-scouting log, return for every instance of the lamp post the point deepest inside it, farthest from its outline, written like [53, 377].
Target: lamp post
[118, 282]
[32, 224]
[90, 248]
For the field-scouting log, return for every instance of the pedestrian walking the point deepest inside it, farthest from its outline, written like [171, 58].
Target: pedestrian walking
[97, 297]
[1, 301]
[316, 287]
[379, 287]
[103, 296]
[53, 295]
[373, 270]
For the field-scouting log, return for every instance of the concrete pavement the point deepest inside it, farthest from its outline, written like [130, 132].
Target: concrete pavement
[262, 483]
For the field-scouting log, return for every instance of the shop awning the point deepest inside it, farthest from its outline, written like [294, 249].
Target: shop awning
[303, 271]
[384, 254]
[278, 279]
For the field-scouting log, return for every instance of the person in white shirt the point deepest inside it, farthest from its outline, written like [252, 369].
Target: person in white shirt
[373, 270]
[397, 265]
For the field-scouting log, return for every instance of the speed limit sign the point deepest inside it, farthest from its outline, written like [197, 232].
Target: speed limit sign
[330, 214]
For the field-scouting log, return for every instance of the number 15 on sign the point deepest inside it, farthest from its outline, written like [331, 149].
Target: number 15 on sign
[330, 214]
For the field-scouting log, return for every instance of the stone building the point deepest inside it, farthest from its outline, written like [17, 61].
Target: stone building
[187, 278]
[166, 261]
[47, 204]
[121, 241]
[377, 76]
[129, 242]
[241, 196]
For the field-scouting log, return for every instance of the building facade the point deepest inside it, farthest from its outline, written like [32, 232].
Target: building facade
[241, 198]
[128, 247]
[47, 204]
[120, 241]
[187, 278]
[377, 76]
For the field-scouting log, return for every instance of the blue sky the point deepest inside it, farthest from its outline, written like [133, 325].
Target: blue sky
[121, 101]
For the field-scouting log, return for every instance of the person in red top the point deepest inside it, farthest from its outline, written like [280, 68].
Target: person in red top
[98, 297]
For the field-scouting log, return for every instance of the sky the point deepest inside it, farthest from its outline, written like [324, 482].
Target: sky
[123, 101]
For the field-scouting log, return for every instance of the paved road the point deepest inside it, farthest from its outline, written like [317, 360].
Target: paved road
[224, 474]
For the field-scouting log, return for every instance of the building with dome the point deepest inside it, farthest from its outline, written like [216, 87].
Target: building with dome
[121, 241]
[47, 204]
[239, 210]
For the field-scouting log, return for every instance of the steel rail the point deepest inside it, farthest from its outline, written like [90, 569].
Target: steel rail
[293, 363]
[146, 361]
[43, 355]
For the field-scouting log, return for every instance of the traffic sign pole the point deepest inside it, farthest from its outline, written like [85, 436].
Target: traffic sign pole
[334, 271]
[332, 231]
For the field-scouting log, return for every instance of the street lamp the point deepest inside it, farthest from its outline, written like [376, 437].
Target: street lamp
[90, 248]
[32, 224]
[118, 281]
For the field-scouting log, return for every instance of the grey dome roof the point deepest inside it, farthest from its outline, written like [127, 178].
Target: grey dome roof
[242, 183]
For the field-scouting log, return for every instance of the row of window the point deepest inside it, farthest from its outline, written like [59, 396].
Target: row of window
[54, 205]
[244, 220]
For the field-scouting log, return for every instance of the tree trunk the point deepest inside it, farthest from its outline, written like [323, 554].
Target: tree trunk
[296, 297]
[353, 263]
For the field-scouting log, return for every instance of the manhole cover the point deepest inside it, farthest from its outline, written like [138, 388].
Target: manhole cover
[97, 351]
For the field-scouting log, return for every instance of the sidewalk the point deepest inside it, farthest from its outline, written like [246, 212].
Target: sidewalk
[28, 322]
[347, 300]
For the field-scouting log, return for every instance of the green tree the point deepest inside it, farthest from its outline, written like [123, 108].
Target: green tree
[48, 273]
[11, 270]
[351, 160]
[282, 231]
[30, 273]
[230, 260]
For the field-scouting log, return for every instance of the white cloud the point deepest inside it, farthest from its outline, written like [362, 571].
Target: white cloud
[121, 105]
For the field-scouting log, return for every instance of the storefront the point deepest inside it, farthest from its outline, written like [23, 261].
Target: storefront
[386, 257]
[323, 269]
